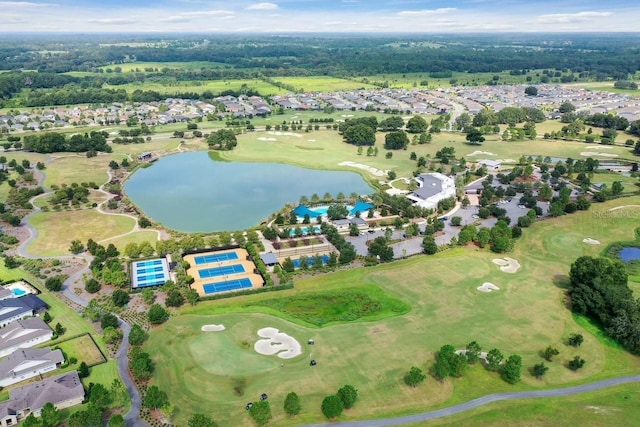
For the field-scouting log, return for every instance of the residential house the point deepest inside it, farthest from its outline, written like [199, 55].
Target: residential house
[13, 309]
[63, 391]
[26, 363]
[23, 334]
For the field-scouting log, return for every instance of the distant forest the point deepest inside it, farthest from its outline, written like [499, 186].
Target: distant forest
[595, 57]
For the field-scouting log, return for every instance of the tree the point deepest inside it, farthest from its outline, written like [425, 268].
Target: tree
[92, 286]
[112, 335]
[120, 298]
[83, 370]
[107, 320]
[531, 91]
[174, 298]
[617, 188]
[200, 420]
[261, 412]
[391, 123]
[417, 124]
[76, 247]
[348, 394]
[47, 317]
[396, 140]
[118, 421]
[337, 211]
[575, 340]
[223, 139]
[144, 222]
[137, 335]
[474, 136]
[59, 329]
[332, 406]
[414, 377]
[539, 369]
[157, 314]
[154, 398]
[494, 359]
[114, 165]
[360, 134]
[99, 396]
[556, 209]
[49, 415]
[31, 421]
[576, 363]
[566, 107]
[456, 221]
[512, 368]
[292, 404]
[473, 352]
[429, 245]
[549, 352]
[54, 284]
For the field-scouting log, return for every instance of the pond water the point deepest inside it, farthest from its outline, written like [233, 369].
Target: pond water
[629, 253]
[190, 192]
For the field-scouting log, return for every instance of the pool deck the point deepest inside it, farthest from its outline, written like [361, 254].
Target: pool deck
[249, 266]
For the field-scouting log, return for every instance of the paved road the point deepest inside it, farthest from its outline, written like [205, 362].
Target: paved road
[132, 418]
[484, 400]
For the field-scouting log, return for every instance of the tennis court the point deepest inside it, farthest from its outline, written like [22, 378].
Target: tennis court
[225, 270]
[219, 257]
[227, 285]
[311, 260]
[154, 272]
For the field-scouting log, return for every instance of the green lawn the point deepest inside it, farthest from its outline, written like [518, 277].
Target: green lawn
[322, 83]
[56, 230]
[83, 349]
[524, 317]
[136, 237]
[68, 168]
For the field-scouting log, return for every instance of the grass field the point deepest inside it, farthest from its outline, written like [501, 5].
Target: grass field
[67, 169]
[56, 230]
[136, 237]
[83, 349]
[322, 84]
[525, 316]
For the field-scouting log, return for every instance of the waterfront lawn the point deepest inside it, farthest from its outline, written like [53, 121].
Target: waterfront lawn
[135, 237]
[56, 230]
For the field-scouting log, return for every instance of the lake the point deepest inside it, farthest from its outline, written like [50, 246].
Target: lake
[190, 192]
[629, 253]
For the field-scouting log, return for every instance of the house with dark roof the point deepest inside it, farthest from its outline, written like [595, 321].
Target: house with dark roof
[63, 391]
[25, 363]
[23, 333]
[13, 309]
[35, 303]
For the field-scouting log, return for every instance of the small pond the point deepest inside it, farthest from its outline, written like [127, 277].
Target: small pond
[629, 253]
[190, 192]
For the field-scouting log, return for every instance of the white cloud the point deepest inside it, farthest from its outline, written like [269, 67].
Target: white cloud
[219, 12]
[572, 17]
[176, 19]
[22, 4]
[113, 21]
[262, 6]
[427, 12]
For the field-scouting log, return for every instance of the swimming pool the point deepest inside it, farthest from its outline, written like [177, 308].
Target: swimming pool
[19, 289]
[305, 231]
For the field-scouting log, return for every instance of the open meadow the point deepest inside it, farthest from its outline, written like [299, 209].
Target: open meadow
[526, 315]
[215, 86]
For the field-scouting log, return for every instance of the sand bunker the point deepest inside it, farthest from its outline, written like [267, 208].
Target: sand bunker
[593, 153]
[598, 147]
[370, 169]
[488, 287]
[483, 355]
[212, 328]
[276, 342]
[482, 153]
[590, 241]
[507, 265]
[262, 138]
[285, 134]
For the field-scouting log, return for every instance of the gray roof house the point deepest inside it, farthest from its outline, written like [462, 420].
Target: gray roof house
[63, 391]
[25, 363]
[433, 188]
[13, 309]
[5, 293]
[23, 334]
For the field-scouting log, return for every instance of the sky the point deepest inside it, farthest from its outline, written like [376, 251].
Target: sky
[328, 16]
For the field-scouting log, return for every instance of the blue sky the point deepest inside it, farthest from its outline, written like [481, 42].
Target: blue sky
[364, 16]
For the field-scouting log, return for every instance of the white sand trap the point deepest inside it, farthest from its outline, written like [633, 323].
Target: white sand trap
[263, 138]
[591, 241]
[599, 147]
[507, 265]
[311, 140]
[482, 153]
[593, 153]
[276, 342]
[483, 355]
[370, 169]
[506, 160]
[346, 115]
[488, 287]
[212, 328]
[284, 134]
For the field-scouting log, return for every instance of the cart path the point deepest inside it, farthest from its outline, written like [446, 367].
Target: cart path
[484, 400]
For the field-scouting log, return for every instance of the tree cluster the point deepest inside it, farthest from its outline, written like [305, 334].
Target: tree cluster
[52, 142]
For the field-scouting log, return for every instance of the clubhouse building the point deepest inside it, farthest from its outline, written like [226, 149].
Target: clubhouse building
[433, 188]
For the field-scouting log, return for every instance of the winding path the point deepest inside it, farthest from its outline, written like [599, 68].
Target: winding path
[484, 400]
[132, 418]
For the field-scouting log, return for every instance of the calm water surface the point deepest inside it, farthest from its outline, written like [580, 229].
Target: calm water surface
[190, 192]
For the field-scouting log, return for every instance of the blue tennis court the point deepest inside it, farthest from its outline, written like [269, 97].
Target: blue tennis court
[154, 272]
[228, 285]
[209, 258]
[225, 270]
[310, 260]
